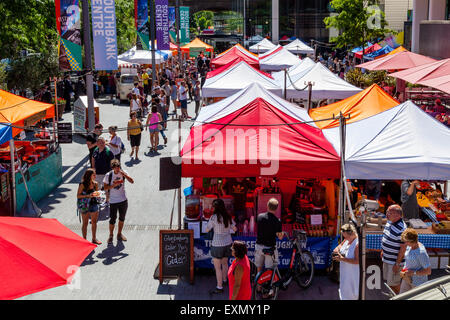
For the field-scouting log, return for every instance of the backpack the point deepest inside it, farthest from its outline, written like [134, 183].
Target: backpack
[122, 147]
[110, 174]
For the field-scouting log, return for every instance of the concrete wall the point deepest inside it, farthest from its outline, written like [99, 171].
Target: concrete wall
[434, 41]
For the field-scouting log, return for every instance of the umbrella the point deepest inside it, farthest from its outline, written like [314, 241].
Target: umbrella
[37, 254]
[398, 61]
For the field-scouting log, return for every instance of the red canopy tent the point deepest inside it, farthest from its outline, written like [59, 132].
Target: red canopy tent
[230, 65]
[398, 61]
[258, 139]
[35, 255]
[232, 54]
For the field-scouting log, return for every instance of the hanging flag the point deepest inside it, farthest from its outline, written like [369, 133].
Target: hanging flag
[162, 24]
[184, 25]
[68, 24]
[172, 25]
[141, 22]
[104, 34]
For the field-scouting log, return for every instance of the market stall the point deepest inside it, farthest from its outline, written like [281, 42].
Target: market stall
[141, 56]
[287, 159]
[295, 71]
[263, 46]
[235, 52]
[325, 85]
[277, 59]
[193, 48]
[231, 80]
[40, 156]
[298, 47]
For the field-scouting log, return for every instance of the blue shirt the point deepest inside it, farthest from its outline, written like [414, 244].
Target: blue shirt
[416, 260]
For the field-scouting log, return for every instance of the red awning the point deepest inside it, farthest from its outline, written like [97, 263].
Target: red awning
[232, 54]
[230, 65]
[255, 140]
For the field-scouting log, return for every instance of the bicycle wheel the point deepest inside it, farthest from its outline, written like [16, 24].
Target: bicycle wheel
[304, 269]
[263, 289]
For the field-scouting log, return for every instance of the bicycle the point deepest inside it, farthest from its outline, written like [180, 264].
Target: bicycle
[301, 269]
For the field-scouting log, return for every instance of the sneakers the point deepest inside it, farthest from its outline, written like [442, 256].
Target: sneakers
[216, 291]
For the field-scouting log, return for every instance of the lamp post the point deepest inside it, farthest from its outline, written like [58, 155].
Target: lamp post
[88, 65]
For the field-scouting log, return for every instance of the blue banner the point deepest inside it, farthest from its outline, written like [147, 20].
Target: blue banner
[320, 248]
[104, 34]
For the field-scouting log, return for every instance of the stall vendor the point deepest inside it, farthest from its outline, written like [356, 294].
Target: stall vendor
[238, 188]
[409, 200]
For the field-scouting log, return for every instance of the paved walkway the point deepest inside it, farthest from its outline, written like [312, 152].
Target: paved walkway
[125, 270]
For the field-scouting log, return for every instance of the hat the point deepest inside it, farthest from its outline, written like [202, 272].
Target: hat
[157, 88]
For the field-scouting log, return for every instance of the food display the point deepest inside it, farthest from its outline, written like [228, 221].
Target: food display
[192, 206]
[207, 207]
[432, 199]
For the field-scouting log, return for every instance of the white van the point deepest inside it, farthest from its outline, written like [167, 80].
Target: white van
[125, 83]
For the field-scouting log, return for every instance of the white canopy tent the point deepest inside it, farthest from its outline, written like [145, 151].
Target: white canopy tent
[400, 143]
[235, 78]
[295, 71]
[246, 95]
[298, 47]
[326, 85]
[263, 46]
[141, 56]
[277, 59]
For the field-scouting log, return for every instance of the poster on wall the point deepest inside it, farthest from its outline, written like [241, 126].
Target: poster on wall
[68, 24]
[104, 34]
[140, 20]
[162, 24]
[184, 25]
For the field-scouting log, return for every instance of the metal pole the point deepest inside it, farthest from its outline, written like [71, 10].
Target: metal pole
[179, 189]
[285, 75]
[55, 122]
[88, 65]
[310, 84]
[13, 177]
[362, 259]
[244, 29]
[341, 207]
[152, 34]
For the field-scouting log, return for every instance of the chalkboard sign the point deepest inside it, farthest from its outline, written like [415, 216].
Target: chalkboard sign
[64, 132]
[176, 254]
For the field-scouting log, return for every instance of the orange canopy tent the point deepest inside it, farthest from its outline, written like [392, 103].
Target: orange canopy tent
[197, 43]
[397, 50]
[20, 111]
[362, 105]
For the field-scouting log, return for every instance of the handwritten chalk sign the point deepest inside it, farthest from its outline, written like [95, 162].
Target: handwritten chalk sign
[176, 254]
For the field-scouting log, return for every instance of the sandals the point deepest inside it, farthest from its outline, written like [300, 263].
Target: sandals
[97, 242]
[216, 291]
[121, 238]
[110, 240]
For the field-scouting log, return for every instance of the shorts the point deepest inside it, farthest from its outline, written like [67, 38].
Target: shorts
[264, 260]
[183, 104]
[135, 140]
[153, 130]
[392, 279]
[221, 252]
[122, 207]
[93, 207]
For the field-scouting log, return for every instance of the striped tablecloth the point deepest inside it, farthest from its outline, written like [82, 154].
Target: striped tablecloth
[436, 241]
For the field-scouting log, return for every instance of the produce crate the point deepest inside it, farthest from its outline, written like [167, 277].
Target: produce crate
[441, 230]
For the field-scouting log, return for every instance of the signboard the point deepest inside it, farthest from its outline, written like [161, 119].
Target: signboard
[162, 24]
[169, 173]
[176, 254]
[172, 25]
[104, 34]
[79, 117]
[64, 132]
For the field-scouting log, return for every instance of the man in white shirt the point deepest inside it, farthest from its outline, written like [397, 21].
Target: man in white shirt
[183, 100]
[114, 181]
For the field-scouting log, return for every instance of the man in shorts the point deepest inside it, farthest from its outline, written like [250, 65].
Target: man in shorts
[183, 100]
[268, 229]
[392, 247]
[114, 181]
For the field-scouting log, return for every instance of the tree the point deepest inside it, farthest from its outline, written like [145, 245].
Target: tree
[3, 75]
[201, 20]
[126, 30]
[357, 21]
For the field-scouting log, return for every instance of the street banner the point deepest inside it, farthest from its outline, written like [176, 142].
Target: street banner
[140, 20]
[172, 25]
[184, 25]
[104, 34]
[68, 24]
[162, 24]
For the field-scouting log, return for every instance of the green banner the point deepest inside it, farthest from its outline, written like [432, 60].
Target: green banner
[184, 25]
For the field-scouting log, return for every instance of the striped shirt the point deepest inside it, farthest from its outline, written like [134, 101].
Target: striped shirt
[391, 242]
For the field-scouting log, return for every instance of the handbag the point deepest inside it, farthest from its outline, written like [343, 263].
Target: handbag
[210, 235]
[83, 204]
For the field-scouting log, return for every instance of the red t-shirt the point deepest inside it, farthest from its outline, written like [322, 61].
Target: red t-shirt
[245, 291]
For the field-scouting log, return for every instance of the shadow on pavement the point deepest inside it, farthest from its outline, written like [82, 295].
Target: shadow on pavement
[103, 213]
[112, 253]
[89, 259]
[75, 168]
[46, 204]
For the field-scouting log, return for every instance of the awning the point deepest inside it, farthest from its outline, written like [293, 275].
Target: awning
[277, 59]
[263, 46]
[20, 111]
[399, 61]
[5, 133]
[235, 52]
[366, 103]
[255, 133]
[298, 47]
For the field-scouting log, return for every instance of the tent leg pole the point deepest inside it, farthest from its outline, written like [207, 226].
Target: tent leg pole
[13, 177]
[179, 189]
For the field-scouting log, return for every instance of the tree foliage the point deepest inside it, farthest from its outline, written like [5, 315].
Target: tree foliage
[201, 20]
[126, 32]
[357, 22]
